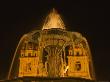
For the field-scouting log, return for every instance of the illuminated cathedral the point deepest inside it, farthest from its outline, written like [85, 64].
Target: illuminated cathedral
[52, 52]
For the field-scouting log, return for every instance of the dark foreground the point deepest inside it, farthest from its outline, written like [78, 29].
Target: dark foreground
[32, 79]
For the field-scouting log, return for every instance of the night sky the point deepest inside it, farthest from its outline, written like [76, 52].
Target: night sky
[18, 18]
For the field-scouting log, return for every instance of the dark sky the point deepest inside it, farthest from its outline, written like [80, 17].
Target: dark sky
[88, 18]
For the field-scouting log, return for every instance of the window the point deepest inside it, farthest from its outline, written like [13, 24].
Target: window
[29, 54]
[77, 53]
[78, 66]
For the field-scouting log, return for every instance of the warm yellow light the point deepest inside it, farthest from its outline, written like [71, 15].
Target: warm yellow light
[58, 54]
[66, 69]
[53, 20]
